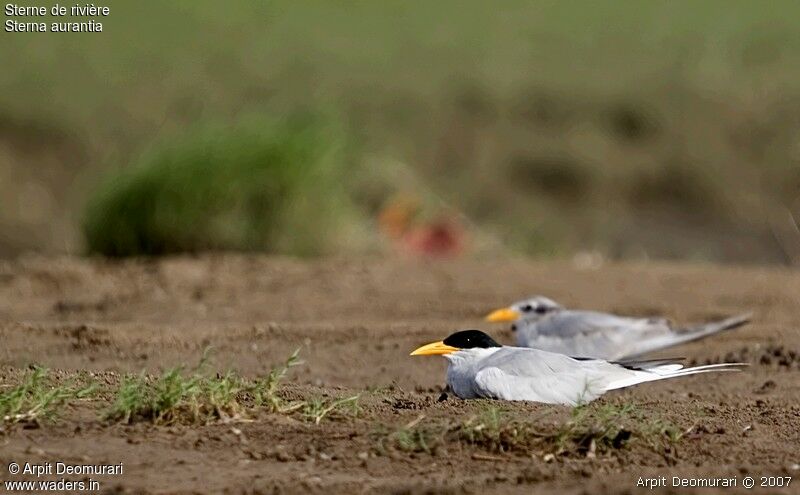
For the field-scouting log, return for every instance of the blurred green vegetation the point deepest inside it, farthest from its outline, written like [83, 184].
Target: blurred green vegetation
[637, 129]
[272, 186]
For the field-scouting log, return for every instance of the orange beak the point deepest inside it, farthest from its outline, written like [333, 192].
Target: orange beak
[503, 315]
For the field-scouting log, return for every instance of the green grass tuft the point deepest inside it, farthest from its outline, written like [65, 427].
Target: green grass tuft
[37, 399]
[164, 400]
[265, 390]
[415, 440]
[494, 431]
[317, 409]
[274, 186]
[592, 429]
[179, 397]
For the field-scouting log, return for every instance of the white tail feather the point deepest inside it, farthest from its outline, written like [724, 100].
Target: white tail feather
[665, 371]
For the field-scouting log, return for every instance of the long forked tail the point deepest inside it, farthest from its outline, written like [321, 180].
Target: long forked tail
[706, 329]
[645, 371]
[689, 334]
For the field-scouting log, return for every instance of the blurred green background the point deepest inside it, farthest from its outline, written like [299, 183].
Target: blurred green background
[627, 129]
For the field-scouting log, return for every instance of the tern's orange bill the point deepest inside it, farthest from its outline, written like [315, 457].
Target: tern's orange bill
[505, 314]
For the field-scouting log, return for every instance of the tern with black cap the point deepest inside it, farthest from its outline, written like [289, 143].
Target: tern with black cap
[479, 367]
[544, 324]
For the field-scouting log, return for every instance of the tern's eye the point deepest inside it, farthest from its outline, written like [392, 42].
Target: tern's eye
[526, 308]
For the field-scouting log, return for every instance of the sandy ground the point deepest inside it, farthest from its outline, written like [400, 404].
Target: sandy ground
[355, 322]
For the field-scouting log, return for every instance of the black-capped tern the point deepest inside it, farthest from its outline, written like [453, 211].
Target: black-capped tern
[480, 367]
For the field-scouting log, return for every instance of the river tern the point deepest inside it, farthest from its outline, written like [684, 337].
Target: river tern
[479, 367]
[544, 324]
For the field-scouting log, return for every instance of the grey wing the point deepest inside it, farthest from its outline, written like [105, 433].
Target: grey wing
[597, 335]
[529, 374]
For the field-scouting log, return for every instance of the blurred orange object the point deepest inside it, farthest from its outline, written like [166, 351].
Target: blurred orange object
[396, 217]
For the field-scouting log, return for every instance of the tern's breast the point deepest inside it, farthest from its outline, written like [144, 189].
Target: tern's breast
[461, 379]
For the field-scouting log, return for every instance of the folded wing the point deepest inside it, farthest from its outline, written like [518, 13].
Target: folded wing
[606, 336]
[515, 373]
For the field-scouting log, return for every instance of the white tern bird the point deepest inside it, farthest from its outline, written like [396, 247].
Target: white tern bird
[480, 367]
[544, 324]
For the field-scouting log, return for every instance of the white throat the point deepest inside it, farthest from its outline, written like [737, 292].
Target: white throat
[470, 356]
